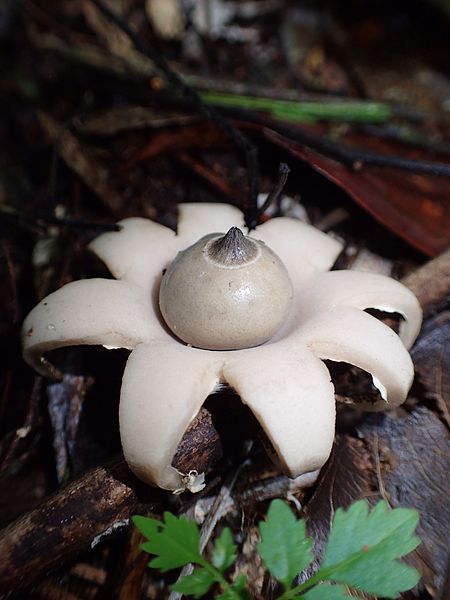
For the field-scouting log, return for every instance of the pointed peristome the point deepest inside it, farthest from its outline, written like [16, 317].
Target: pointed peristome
[233, 249]
[226, 292]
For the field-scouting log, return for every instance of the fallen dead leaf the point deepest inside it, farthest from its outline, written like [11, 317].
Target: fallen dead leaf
[413, 206]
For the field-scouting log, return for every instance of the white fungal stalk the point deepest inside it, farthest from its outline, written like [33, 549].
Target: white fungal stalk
[260, 313]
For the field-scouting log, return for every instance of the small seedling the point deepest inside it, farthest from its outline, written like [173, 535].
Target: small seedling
[361, 553]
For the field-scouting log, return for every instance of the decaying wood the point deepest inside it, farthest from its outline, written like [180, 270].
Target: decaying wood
[95, 505]
[200, 447]
[66, 524]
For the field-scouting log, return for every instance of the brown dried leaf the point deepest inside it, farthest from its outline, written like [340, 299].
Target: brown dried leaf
[169, 141]
[413, 206]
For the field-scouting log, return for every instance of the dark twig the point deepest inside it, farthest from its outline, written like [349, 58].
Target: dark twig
[193, 97]
[73, 223]
[49, 219]
[274, 196]
[354, 158]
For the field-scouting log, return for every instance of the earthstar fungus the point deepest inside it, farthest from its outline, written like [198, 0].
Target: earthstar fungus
[226, 292]
[279, 275]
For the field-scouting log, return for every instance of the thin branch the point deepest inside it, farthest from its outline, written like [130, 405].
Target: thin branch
[274, 197]
[40, 218]
[354, 158]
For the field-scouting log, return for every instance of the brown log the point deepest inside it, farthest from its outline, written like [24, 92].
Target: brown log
[97, 504]
[46, 538]
[200, 447]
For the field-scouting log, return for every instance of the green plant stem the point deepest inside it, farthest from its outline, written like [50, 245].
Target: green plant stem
[321, 575]
[218, 577]
[356, 111]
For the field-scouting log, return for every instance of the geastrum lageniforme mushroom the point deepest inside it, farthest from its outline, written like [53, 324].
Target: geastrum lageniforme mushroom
[259, 313]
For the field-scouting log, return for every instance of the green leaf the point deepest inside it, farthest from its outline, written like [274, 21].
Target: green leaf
[363, 545]
[146, 525]
[324, 591]
[237, 590]
[174, 541]
[197, 584]
[224, 551]
[240, 582]
[284, 547]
